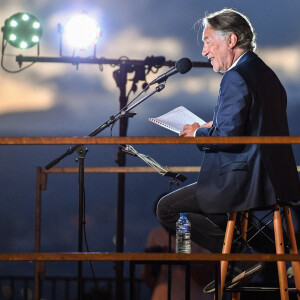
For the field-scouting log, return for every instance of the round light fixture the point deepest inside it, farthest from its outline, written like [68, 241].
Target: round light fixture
[22, 30]
[81, 32]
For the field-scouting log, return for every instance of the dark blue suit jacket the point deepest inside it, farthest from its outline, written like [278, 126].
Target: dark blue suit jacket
[251, 102]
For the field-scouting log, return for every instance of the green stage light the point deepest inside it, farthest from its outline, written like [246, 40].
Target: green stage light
[22, 30]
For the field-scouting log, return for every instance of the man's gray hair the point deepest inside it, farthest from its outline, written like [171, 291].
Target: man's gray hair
[227, 21]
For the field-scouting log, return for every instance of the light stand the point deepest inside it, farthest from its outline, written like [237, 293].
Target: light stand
[81, 152]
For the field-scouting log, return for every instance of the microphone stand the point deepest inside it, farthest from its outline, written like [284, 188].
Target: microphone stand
[81, 152]
[124, 113]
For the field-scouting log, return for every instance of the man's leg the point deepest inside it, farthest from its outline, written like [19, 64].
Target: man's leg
[207, 229]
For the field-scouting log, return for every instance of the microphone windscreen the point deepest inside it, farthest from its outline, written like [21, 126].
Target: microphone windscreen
[183, 65]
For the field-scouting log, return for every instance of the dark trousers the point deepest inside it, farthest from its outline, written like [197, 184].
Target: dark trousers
[207, 230]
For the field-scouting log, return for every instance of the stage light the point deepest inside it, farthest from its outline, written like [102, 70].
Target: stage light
[22, 30]
[81, 32]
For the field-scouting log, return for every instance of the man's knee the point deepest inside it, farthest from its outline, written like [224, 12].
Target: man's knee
[161, 210]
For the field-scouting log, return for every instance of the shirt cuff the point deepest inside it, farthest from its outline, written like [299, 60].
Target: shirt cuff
[195, 133]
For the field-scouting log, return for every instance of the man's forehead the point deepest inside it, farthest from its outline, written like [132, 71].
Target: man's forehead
[207, 33]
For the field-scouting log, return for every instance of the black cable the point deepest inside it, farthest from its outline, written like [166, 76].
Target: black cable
[111, 128]
[86, 242]
[11, 71]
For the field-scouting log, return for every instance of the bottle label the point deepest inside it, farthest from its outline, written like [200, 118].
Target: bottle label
[183, 242]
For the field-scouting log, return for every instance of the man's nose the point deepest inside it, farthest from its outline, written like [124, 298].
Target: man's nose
[204, 51]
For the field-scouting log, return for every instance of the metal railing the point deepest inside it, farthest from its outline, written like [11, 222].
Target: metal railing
[40, 258]
[64, 288]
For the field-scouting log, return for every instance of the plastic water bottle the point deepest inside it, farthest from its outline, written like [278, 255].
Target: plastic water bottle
[183, 234]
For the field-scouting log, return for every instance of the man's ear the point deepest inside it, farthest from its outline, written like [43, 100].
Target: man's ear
[232, 40]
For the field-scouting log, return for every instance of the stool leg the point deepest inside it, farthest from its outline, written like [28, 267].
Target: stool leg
[281, 266]
[236, 296]
[227, 247]
[245, 216]
[293, 247]
[244, 227]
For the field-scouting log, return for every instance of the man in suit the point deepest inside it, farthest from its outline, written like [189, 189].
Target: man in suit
[251, 102]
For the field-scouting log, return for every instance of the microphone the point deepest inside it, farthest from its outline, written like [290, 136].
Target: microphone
[182, 66]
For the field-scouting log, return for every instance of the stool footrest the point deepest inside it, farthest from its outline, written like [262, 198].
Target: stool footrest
[259, 289]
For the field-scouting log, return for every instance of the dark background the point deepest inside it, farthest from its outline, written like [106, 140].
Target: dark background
[59, 100]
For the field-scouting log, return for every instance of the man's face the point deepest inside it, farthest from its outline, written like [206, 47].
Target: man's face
[217, 50]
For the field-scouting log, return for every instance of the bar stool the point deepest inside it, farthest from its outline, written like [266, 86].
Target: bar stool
[279, 246]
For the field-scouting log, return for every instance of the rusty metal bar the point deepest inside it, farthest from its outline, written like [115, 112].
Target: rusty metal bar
[98, 256]
[189, 169]
[150, 140]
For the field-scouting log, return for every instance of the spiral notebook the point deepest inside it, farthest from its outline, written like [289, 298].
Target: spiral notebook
[175, 119]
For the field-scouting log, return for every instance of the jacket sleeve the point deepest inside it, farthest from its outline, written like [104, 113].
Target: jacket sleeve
[231, 114]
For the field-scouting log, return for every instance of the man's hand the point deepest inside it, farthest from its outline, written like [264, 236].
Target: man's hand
[189, 130]
[208, 124]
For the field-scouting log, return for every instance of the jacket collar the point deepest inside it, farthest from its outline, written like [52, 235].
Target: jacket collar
[246, 56]
[236, 62]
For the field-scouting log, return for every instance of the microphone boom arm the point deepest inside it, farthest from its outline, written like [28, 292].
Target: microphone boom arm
[121, 114]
